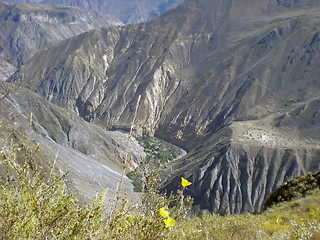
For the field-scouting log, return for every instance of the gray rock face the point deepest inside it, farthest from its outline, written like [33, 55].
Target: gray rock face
[234, 82]
[6, 70]
[29, 27]
[243, 162]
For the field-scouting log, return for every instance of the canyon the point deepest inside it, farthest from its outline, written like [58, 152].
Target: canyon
[234, 83]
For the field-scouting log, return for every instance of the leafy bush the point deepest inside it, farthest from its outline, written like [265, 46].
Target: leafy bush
[294, 188]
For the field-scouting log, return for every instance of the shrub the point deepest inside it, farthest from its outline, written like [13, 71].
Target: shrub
[36, 206]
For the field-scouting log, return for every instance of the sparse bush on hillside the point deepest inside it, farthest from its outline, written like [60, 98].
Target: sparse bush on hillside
[294, 188]
[10, 89]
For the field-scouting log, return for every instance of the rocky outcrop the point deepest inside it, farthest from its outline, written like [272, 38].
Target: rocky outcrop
[6, 70]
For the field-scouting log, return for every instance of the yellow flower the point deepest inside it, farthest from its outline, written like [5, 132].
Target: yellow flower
[163, 212]
[169, 222]
[185, 182]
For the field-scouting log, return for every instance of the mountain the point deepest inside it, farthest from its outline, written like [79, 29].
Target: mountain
[90, 154]
[235, 83]
[27, 28]
[128, 11]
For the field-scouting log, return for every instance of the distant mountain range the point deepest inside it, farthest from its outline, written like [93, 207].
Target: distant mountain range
[127, 11]
[27, 28]
[236, 83]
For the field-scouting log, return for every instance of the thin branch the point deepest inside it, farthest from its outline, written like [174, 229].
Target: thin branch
[114, 211]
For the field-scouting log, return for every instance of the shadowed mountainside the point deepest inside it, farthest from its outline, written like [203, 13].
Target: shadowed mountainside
[234, 82]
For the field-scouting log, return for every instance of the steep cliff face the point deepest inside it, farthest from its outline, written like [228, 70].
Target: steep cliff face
[128, 11]
[205, 70]
[27, 28]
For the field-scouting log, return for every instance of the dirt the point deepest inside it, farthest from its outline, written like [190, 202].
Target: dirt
[263, 132]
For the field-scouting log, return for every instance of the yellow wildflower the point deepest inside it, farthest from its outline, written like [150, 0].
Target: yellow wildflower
[185, 182]
[169, 222]
[163, 212]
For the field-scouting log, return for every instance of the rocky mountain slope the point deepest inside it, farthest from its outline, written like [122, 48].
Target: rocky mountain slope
[128, 11]
[235, 83]
[27, 28]
[92, 155]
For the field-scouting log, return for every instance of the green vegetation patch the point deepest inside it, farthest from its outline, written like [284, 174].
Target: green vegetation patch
[158, 152]
[136, 181]
[288, 103]
[294, 189]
